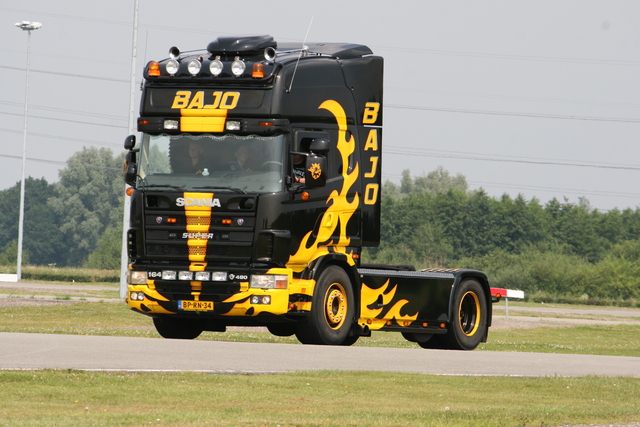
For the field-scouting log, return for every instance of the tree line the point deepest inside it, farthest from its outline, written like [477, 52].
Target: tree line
[74, 222]
[556, 248]
[553, 249]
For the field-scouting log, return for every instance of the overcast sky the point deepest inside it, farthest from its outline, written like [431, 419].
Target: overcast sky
[534, 97]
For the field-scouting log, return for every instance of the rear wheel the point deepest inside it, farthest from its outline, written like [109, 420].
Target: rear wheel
[332, 310]
[469, 321]
[177, 328]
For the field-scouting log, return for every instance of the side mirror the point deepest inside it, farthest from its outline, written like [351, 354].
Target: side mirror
[130, 173]
[130, 142]
[320, 146]
[130, 157]
[315, 175]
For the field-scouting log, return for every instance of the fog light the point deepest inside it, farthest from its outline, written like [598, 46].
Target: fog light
[136, 296]
[261, 299]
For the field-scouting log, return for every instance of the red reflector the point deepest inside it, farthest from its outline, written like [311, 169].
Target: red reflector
[226, 221]
[154, 69]
[258, 71]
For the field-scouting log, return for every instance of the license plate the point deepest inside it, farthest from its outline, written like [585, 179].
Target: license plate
[195, 305]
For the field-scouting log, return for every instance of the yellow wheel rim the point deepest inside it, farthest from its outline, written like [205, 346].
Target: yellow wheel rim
[336, 306]
[470, 314]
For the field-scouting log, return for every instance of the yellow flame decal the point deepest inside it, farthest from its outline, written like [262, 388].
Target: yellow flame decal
[149, 292]
[370, 317]
[340, 210]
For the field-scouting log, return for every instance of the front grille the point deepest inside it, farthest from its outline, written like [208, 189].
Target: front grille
[198, 220]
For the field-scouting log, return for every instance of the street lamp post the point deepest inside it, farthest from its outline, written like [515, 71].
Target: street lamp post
[28, 27]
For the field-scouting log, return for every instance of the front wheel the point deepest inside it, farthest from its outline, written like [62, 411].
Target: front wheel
[468, 324]
[177, 328]
[332, 310]
[282, 330]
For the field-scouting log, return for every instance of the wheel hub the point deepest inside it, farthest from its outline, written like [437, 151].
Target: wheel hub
[336, 306]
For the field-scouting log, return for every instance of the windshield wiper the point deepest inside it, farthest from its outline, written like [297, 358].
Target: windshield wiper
[215, 187]
[174, 187]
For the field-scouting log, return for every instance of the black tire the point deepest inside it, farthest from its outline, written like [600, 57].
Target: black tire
[332, 310]
[282, 329]
[350, 340]
[177, 328]
[432, 343]
[468, 324]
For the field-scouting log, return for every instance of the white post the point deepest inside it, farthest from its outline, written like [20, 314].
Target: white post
[124, 259]
[28, 27]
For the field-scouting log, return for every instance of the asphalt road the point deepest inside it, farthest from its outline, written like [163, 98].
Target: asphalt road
[42, 351]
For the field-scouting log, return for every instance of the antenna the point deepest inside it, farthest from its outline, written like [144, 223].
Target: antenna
[302, 48]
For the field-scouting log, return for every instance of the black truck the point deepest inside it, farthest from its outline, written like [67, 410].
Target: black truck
[255, 184]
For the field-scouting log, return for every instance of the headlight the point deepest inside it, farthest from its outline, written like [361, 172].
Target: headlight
[269, 281]
[172, 124]
[194, 67]
[172, 67]
[233, 125]
[138, 277]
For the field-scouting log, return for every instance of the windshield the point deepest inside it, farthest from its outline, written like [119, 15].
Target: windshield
[199, 162]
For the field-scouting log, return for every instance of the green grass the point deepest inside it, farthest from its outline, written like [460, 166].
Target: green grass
[611, 340]
[115, 319]
[62, 398]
